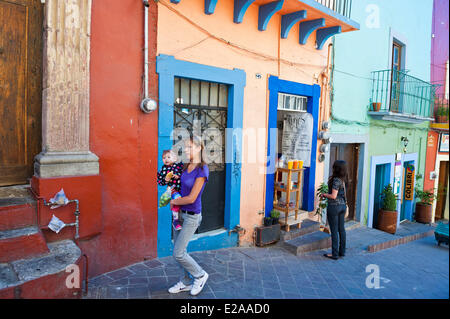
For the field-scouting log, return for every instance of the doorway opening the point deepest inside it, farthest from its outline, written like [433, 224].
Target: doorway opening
[201, 107]
[382, 179]
[442, 191]
[350, 154]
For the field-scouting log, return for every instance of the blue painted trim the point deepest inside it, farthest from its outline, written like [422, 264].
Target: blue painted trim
[266, 12]
[288, 21]
[168, 68]
[378, 160]
[313, 93]
[210, 6]
[307, 27]
[322, 35]
[175, 1]
[240, 7]
[329, 12]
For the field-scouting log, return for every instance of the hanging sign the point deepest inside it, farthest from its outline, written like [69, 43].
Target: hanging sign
[297, 137]
[444, 143]
[409, 182]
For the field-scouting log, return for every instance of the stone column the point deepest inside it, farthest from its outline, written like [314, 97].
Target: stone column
[65, 103]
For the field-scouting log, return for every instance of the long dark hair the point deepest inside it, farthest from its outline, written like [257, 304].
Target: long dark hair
[198, 142]
[339, 171]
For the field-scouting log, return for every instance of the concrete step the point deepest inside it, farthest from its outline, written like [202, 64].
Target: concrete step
[44, 276]
[18, 216]
[21, 243]
[307, 226]
[309, 242]
[352, 224]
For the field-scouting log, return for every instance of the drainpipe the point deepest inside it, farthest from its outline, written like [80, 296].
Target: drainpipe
[148, 105]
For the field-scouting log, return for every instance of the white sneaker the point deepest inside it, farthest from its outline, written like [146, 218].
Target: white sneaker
[179, 287]
[199, 283]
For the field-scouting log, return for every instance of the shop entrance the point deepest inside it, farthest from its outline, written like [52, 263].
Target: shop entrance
[382, 179]
[350, 154]
[442, 194]
[202, 106]
[20, 88]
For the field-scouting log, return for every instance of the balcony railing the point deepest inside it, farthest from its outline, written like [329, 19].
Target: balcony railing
[343, 7]
[400, 94]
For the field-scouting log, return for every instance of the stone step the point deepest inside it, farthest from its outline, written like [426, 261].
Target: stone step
[18, 216]
[44, 276]
[313, 241]
[307, 226]
[21, 243]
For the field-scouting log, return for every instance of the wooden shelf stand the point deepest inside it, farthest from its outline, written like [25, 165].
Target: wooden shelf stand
[288, 221]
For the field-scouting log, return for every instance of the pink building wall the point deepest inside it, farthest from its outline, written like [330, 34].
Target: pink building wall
[439, 44]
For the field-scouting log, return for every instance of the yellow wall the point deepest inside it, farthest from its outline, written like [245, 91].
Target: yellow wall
[203, 40]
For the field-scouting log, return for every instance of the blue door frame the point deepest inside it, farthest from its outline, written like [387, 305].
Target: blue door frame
[378, 160]
[313, 93]
[168, 68]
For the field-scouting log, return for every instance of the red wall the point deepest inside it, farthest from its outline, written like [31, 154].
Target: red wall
[123, 137]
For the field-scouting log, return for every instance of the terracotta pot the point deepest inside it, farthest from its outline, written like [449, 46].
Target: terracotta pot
[376, 106]
[387, 221]
[423, 213]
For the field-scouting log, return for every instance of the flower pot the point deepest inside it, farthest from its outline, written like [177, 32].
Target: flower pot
[376, 106]
[423, 213]
[267, 221]
[275, 220]
[387, 221]
[441, 119]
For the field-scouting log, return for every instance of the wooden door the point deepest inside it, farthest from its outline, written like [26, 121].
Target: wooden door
[21, 32]
[350, 154]
[442, 190]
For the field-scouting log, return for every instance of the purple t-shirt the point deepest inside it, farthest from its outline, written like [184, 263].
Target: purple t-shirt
[187, 182]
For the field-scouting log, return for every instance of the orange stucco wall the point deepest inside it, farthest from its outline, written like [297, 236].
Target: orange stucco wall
[185, 32]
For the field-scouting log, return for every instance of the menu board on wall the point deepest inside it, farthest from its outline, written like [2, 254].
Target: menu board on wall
[297, 137]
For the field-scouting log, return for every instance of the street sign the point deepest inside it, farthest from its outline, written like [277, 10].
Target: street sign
[409, 183]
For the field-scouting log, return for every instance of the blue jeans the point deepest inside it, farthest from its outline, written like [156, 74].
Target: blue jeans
[181, 240]
[336, 220]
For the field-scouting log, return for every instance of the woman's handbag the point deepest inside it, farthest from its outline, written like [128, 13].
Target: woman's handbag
[346, 204]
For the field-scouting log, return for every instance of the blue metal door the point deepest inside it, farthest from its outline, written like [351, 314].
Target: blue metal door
[407, 207]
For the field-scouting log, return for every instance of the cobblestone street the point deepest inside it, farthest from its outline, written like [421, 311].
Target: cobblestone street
[419, 269]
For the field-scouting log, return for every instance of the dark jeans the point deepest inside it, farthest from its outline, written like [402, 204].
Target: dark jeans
[336, 220]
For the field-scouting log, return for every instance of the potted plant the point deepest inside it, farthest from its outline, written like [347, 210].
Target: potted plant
[376, 106]
[323, 203]
[267, 221]
[442, 114]
[387, 215]
[424, 207]
[275, 216]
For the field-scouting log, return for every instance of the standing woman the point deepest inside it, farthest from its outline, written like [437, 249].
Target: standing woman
[337, 207]
[193, 180]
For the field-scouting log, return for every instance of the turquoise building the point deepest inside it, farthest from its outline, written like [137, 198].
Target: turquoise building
[382, 102]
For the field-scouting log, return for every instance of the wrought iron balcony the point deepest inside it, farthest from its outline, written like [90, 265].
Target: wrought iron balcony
[342, 7]
[397, 96]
